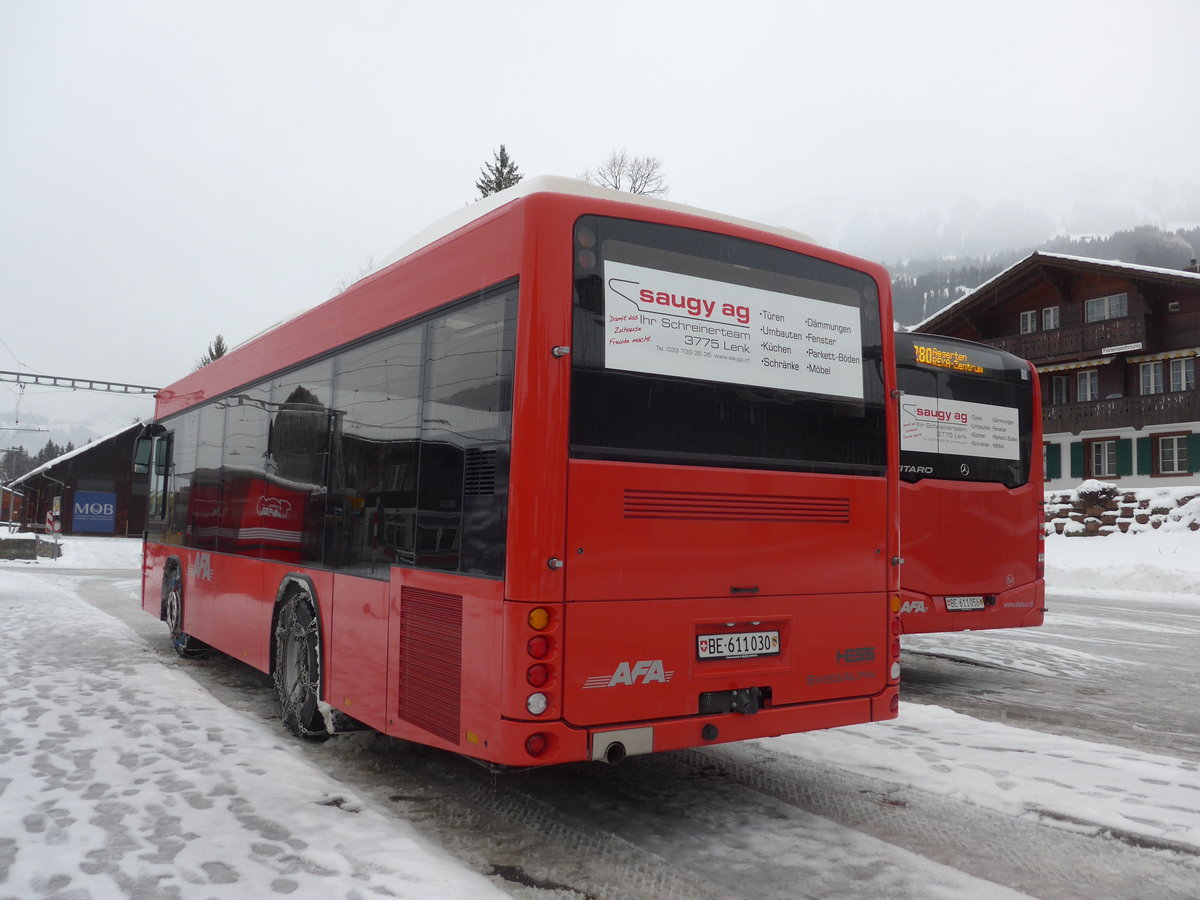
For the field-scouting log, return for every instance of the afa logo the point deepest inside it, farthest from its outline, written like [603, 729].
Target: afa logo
[913, 606]
[647, 670]
[273, 507]
[201, 567]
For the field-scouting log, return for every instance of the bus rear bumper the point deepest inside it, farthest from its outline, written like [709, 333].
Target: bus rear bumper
[613, 744]
[1020, 607]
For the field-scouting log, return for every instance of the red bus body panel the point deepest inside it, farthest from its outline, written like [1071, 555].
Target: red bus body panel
[441, 658]
[964, 538]
[967, 539]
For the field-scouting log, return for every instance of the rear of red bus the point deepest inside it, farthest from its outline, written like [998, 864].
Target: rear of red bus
[587, 476]
[713, 399]
[971, 519]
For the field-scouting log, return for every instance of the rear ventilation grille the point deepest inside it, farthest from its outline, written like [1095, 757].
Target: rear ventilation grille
[735, 507]
[431, 661]
[479, 477]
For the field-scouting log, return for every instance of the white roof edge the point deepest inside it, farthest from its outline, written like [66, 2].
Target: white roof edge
[90, 445]
[542, 184]
[1065, 257]
[557, 184]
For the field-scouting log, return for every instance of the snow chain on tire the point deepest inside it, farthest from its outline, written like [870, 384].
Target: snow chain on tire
[297, 669]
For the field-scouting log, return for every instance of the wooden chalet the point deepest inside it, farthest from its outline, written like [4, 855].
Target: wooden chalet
[1115, 345]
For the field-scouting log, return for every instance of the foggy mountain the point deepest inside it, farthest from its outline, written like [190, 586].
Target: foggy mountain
[921, 287]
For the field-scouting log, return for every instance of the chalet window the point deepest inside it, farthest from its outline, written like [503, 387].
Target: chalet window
[1152, 378]
[1102, 458]
[1029, 321]
[1183, 374]
[1088, 386]
[1050, 318]
[1060, 390]
[1172, 455]
[1114, 306]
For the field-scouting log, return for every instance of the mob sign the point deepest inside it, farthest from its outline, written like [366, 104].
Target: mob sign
[94, 512]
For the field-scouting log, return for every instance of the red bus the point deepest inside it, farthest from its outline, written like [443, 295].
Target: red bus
[970, 486]
[585, 475]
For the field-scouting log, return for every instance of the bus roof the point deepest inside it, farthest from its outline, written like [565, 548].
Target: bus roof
[541, 184]
[555, 184]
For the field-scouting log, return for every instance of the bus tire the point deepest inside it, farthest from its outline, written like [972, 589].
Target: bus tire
[182, 643]
[297, 667]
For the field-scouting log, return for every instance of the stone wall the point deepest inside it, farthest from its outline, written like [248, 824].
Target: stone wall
[1100, 508]
[28, 548]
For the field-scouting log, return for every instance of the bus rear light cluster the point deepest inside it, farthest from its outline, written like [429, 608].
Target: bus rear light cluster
[539, 674]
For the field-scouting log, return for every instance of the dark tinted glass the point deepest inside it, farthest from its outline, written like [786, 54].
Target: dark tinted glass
[302, 421]
[462, 495]
[988, 441]
[243, 461]
[730, 384]
[373, 501]
[391, 452]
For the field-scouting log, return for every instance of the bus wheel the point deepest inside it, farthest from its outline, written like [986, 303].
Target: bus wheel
[297, 668]
[182, 643]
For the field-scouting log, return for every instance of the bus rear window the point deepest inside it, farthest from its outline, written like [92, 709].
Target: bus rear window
[699, 349]
[964, 416]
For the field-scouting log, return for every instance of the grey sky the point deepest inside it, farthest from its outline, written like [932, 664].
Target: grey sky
[172, 170]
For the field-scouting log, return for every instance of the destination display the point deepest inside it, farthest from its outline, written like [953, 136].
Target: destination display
[930, 425]
[665, 323]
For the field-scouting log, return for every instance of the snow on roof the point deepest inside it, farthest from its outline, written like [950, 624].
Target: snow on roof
[1061, 257]
[70, 454]
[555, 184]
[542, 184]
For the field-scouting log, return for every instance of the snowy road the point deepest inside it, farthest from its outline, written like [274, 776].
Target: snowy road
[1117, 669]
[125, 772]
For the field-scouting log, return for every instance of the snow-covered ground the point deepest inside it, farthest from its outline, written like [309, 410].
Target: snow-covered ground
[121, 776]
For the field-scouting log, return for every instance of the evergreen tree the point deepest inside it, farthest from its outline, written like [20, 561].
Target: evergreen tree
[216, 350]
[499, 174]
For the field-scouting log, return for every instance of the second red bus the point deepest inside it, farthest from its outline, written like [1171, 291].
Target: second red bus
[971, 495]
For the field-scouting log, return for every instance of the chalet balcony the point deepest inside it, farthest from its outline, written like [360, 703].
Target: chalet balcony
[1122, 412]
[1082, 340]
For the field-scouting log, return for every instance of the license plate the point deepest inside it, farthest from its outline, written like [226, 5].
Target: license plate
[972, 602]
[738, 644]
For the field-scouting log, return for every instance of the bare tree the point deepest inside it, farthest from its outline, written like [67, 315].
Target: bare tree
[363, 271]
[633, 174]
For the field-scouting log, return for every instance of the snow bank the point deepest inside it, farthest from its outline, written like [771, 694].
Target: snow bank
[1157, 562]
[89, 553]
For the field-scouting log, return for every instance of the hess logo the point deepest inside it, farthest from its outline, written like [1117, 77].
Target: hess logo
[644, 671]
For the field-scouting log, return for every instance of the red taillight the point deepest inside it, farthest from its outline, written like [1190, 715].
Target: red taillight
[537, 675]
[895, 705]
[895, 648]
[538, 646]
[535, 744]
[895, 626]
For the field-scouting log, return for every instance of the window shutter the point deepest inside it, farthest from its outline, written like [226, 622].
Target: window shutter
[1077, 469]
[1194, 452]
[1145, 458]
[1053, 461]
[1124, 457]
